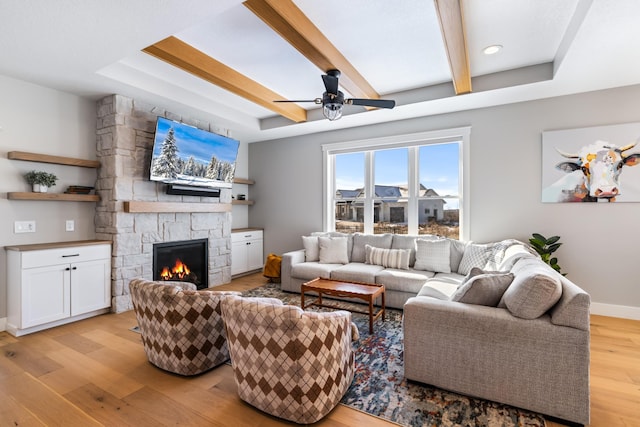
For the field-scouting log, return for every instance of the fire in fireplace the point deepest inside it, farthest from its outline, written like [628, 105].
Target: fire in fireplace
[184, 261]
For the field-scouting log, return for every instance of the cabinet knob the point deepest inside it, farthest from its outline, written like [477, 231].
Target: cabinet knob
[74, 268]
[67, 269]
[248, 243]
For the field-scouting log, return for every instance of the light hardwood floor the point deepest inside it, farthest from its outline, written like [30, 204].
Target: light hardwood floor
[94, 372]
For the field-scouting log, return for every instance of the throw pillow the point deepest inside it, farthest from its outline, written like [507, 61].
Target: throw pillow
[483, 289]
[433, 255]
[311, 248]
[333, 250]
[474, 256]
[388, 258]
[534, 290]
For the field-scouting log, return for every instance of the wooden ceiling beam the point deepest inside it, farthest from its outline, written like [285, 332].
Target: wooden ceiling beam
[451, 19]
[184, 56]
[285, 18]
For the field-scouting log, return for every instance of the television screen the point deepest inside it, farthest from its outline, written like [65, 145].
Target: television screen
[186, 155]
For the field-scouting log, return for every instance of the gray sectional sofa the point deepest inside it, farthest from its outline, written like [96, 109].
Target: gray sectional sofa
[487, 320]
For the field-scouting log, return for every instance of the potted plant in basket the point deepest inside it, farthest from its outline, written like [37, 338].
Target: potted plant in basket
[40, 180]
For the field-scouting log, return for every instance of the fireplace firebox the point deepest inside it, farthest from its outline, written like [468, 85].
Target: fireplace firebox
[183, 261]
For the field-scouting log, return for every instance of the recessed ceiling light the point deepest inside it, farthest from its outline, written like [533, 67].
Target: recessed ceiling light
[490, 50]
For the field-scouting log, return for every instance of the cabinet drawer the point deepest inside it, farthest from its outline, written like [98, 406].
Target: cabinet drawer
[246, 235]
[41, 258]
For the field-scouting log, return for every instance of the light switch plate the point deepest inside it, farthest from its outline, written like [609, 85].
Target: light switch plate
[24, 227]
[70, 225]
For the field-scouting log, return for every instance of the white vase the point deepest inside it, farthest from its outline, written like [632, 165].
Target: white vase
[39, 188]
[43, 188]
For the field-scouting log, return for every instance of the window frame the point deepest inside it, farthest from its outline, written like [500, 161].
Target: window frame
[411, 141]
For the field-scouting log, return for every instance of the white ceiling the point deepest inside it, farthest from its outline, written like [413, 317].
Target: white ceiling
[93, 48]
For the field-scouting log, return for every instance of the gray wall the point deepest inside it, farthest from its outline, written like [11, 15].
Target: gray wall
[599, 251]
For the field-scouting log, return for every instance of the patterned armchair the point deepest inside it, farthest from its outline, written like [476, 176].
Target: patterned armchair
[289, 363]
[182, 329]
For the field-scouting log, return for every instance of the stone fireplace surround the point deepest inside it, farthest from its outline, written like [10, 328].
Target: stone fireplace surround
[124, 137]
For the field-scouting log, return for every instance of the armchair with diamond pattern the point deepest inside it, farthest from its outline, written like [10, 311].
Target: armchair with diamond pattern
[289, 363]
[181, 328]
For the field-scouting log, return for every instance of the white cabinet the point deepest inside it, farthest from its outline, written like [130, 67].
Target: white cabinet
[52, 284]
[246, 251]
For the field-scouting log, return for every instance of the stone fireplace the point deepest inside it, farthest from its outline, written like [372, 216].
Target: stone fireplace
[125, 130]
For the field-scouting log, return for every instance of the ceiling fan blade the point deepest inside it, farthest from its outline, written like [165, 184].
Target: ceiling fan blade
[378, 103]
[317, 100]
[331, 81]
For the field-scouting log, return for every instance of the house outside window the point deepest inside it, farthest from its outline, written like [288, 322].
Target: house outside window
[409, 184]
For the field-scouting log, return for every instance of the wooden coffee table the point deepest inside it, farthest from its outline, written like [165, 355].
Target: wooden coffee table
[335, 288]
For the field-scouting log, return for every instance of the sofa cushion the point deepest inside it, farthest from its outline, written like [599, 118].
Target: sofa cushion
[333, 250]
[311, 270]
[457, 251]
[406, 241]
[433, 255]
[474, 256]
[483, 288]
[311, 248]
[439, 288]
[358, 253]
[391, 258]
[410, 281]
[534, 290]
[356, 272]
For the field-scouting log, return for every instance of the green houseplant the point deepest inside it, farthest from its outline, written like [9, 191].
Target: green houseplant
[40, 180]
[545, 247]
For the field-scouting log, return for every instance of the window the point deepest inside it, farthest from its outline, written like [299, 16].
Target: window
[409, 184]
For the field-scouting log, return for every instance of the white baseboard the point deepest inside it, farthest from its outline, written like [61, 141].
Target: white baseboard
[611, 310]
[3, 324]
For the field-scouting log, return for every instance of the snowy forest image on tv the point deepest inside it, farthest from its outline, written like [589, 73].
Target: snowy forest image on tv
[187, 155]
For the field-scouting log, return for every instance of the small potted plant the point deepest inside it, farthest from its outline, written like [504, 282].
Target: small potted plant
[40, 180]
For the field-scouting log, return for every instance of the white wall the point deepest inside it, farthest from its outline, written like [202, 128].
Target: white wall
[599, 251]
[42, 120]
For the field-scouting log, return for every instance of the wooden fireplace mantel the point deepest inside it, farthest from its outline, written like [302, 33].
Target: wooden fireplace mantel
[147, 207]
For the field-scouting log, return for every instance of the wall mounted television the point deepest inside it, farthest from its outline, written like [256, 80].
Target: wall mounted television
[184, 155]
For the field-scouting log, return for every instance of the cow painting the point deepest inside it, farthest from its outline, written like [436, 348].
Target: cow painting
[593, 173]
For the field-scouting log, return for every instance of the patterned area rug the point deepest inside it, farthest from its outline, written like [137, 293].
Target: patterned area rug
[380, 389]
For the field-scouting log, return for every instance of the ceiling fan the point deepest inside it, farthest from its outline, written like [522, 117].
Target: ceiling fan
[333, 100]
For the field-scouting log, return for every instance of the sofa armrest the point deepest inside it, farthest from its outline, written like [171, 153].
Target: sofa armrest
[289, 259]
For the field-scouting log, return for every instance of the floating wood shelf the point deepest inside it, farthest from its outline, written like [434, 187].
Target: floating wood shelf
[58, 160]
[242, 202]
[243, 181]
[149, 207]
[54, 196]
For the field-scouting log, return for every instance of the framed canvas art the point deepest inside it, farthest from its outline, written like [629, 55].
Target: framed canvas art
[594, 164]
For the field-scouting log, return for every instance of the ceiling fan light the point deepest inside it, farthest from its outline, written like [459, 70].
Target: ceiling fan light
[332, 111]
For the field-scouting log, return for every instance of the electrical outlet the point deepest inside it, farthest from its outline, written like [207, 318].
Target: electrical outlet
[24, 227]
[70, 225]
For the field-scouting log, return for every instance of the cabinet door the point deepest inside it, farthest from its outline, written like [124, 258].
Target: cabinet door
[254, 255]
[238, 257]
[45, 295]
[90, 286]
